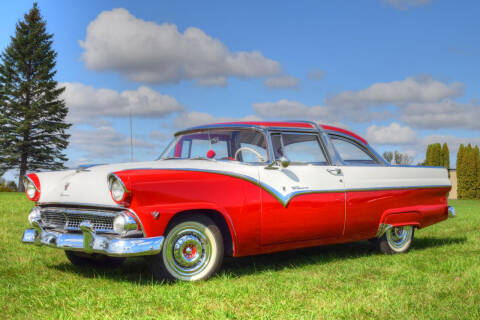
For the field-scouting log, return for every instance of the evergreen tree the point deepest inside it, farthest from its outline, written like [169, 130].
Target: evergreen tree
[469, 173]
[438, 155]
[460, 172]
[434, 156]
[446, 156]
[32, 114]
[476, 151]
[428, 155]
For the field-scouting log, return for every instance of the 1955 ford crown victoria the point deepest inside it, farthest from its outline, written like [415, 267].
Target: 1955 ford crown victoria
[235, 189]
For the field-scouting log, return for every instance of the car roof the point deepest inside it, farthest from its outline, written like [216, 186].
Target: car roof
[295, 124]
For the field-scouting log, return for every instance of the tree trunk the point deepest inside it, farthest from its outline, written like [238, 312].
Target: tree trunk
[23, 171]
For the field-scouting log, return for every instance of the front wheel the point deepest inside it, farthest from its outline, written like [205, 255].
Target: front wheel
[192, 250]
[396, 240]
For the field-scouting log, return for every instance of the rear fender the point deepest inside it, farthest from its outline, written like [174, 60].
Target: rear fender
[399, 217]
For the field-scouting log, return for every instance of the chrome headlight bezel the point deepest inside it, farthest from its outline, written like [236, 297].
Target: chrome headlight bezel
[117, 188]
[31, 189]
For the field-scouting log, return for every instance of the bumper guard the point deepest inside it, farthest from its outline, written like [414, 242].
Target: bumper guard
[451, 212]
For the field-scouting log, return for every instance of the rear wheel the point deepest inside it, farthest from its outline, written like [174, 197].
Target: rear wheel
[192, 250]
[396, 240]
[94, 259]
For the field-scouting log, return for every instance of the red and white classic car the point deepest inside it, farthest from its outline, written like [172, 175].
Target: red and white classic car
[235, 189]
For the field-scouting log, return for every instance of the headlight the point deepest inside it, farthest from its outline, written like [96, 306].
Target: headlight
[117, 189]
[34, 215]
[32, 187]
[124, 222]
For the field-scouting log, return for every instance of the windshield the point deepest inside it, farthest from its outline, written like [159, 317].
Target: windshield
[244, 145]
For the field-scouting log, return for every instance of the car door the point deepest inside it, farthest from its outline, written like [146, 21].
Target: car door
[367, 184]
[305, 200]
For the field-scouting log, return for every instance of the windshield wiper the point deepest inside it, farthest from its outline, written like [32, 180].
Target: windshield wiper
[171, 158]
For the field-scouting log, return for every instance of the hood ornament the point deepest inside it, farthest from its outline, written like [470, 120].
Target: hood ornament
[66, 186]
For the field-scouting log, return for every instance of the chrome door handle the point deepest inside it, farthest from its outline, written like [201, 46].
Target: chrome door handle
[335, 172]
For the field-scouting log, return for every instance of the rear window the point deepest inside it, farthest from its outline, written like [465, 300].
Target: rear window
[351, 152]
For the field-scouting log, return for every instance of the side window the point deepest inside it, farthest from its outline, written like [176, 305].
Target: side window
[299, 148]
[351, 152]
[251, 147]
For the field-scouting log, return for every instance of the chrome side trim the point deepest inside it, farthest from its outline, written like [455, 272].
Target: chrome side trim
[90, 242]
[382, 228]
[451, 212]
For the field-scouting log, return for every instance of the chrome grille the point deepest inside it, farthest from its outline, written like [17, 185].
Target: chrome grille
[69, 219]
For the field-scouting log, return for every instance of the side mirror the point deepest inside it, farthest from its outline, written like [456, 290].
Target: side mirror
[284, 161]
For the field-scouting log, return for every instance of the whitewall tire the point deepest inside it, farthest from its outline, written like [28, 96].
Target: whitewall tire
[192, 250]
[396, 240]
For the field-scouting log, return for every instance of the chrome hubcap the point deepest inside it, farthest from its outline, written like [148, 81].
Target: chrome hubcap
[187, 251]
[399, 237]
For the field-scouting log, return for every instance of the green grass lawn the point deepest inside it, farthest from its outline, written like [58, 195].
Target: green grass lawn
[438, 279]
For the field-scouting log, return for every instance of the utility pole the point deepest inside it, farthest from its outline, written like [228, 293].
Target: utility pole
[131, 136]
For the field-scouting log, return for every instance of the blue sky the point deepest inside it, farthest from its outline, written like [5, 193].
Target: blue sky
[402, 73]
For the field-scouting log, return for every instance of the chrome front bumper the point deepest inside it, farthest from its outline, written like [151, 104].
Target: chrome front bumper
[90, 242]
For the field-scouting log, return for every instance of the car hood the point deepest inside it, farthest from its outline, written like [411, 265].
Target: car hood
[89, 185]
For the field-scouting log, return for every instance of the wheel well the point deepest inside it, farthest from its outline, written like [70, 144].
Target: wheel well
[217, 218]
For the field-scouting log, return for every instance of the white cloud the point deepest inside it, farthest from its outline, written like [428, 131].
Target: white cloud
[290, 109]
[195, 118]
[281, 82]
[404, 4]
[213, 81]
[105, 142]
[392, 134]
[158, 135]
[445, 114]
[411, 90]
[148, 52]
[316, 74]
[87, 103]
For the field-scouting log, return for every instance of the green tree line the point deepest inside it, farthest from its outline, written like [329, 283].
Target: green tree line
[468, 167]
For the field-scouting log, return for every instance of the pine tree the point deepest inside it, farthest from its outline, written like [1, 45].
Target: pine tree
[446, 156]
[32, 114]
[460, 172]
